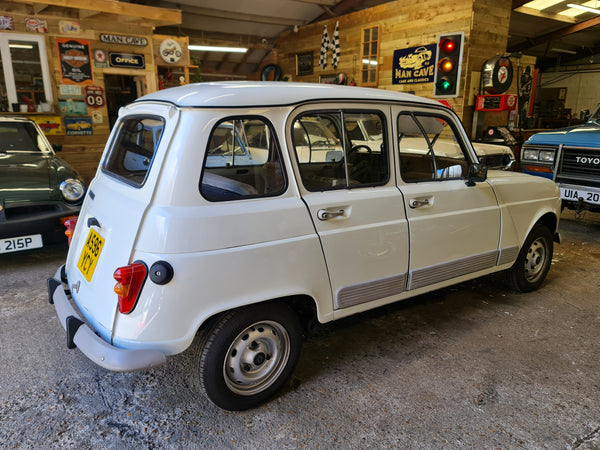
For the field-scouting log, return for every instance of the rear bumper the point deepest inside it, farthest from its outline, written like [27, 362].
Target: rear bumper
[80, 335]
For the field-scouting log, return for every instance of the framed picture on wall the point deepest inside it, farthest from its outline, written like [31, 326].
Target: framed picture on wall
[328, 79]
[304, 63]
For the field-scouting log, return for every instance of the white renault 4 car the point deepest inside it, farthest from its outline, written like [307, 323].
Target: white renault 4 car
[211, 222]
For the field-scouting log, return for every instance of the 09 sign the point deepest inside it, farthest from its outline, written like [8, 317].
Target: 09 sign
[94, 96]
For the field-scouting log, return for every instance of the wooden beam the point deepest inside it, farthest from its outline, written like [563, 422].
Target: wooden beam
[158, 15]
[318, 2]
[241, 17]
[555, 35]
[538, 13]
[341, 8]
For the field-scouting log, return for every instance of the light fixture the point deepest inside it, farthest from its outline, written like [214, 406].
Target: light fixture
[585, 8]
[563, 50]
[210, 48]
[25, 46]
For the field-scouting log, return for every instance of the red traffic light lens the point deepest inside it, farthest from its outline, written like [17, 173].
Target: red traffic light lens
[447, 45]
[446, 65]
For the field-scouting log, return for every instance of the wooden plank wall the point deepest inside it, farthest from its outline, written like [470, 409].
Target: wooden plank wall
[83, 152]
[405, 24]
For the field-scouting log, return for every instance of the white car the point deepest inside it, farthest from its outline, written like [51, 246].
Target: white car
[234, 252]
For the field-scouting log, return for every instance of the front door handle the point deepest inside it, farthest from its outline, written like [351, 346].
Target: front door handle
[414, 203]
[323, 214]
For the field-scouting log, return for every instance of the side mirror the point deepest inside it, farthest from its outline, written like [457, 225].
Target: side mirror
[477, 173]
[57, 147]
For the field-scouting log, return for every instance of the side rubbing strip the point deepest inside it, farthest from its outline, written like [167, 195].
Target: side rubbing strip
[508, 255]
[369, 291]
[442, 272]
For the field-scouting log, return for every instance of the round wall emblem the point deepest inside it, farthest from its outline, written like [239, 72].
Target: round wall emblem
[170, 51]
[100, 55]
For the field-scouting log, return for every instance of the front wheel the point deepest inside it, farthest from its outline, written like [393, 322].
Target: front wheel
[532, 265]
[247, 355]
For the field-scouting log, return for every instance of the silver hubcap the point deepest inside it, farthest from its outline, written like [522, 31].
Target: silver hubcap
[535, 260]
[256, 358]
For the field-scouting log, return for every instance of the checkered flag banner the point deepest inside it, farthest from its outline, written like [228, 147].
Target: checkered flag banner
[325, 44]
[335, 46]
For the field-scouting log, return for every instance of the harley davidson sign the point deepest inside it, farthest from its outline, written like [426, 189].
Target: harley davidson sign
[125, 40]
[75, 64]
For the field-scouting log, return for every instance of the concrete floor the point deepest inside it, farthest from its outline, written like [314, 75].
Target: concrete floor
[472, 366]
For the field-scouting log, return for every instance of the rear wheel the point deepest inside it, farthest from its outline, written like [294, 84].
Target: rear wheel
[247, 355]
[531, 267]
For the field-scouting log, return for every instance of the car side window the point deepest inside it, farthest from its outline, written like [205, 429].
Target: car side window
[429, 148]
[341, 149]
[243, 160]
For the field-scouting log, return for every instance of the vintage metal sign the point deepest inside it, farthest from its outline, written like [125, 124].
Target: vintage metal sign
[128, 60]
[125, 40]
[414, 65]
[75, 62]
[94, 96]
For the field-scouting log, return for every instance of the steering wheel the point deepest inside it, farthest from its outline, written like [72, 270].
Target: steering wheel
[356, 148]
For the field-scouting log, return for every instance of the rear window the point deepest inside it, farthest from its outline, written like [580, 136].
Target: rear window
[132, 152]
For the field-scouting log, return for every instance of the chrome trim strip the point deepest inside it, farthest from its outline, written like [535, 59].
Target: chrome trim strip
[441, 272]
[368, 291]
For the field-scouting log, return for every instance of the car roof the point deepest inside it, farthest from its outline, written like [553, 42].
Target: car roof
[230, 94]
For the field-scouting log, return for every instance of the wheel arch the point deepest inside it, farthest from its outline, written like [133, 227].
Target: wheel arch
[304, 306]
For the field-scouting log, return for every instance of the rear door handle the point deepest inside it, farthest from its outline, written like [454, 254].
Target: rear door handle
[414, 203]
[323, 214]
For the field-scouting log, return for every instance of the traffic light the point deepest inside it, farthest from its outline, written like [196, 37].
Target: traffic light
[448, 60]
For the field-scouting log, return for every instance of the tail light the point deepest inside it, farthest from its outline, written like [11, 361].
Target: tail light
[130, 280]
[70, 223]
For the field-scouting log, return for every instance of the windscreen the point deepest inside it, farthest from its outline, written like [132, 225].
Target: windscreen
[20, 137]
[133, 149]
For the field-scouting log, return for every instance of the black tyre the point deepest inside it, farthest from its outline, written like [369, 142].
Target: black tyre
[247, 355]
[531, 267]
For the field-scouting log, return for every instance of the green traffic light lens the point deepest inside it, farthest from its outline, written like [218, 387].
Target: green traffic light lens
[444, 85]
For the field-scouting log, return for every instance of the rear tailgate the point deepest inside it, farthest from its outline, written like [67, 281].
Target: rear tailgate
[117, 200]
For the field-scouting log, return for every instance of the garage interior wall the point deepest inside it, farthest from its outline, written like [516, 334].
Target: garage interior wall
[582, 88]
[83, 152]
[405, 24]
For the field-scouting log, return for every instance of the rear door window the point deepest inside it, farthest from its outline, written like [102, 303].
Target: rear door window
[133, 149]
[341, 149]
[243, 160]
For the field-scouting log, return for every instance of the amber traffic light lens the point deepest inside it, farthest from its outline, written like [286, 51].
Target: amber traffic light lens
[446, 65]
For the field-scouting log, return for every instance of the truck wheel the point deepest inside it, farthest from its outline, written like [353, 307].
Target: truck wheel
[532, 264]
[247, 355]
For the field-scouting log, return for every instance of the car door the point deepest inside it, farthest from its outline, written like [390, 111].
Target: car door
[353, 201]
[454, 225]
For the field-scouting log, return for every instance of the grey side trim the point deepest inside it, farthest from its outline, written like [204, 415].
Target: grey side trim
[370, 290]
[442, 272]
[508, 255]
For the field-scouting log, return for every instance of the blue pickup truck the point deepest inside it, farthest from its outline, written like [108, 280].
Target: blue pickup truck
[571, 157]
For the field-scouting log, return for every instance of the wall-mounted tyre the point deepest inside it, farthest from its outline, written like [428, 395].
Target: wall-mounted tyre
[531, 267]
[247, 355]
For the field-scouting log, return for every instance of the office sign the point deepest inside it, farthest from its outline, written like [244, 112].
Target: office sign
[126, 60]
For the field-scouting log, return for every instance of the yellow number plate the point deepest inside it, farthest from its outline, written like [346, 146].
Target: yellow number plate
[90, 254]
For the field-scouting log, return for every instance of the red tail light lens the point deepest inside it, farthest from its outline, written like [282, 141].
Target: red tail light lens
[130, 280]
[70, 223]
